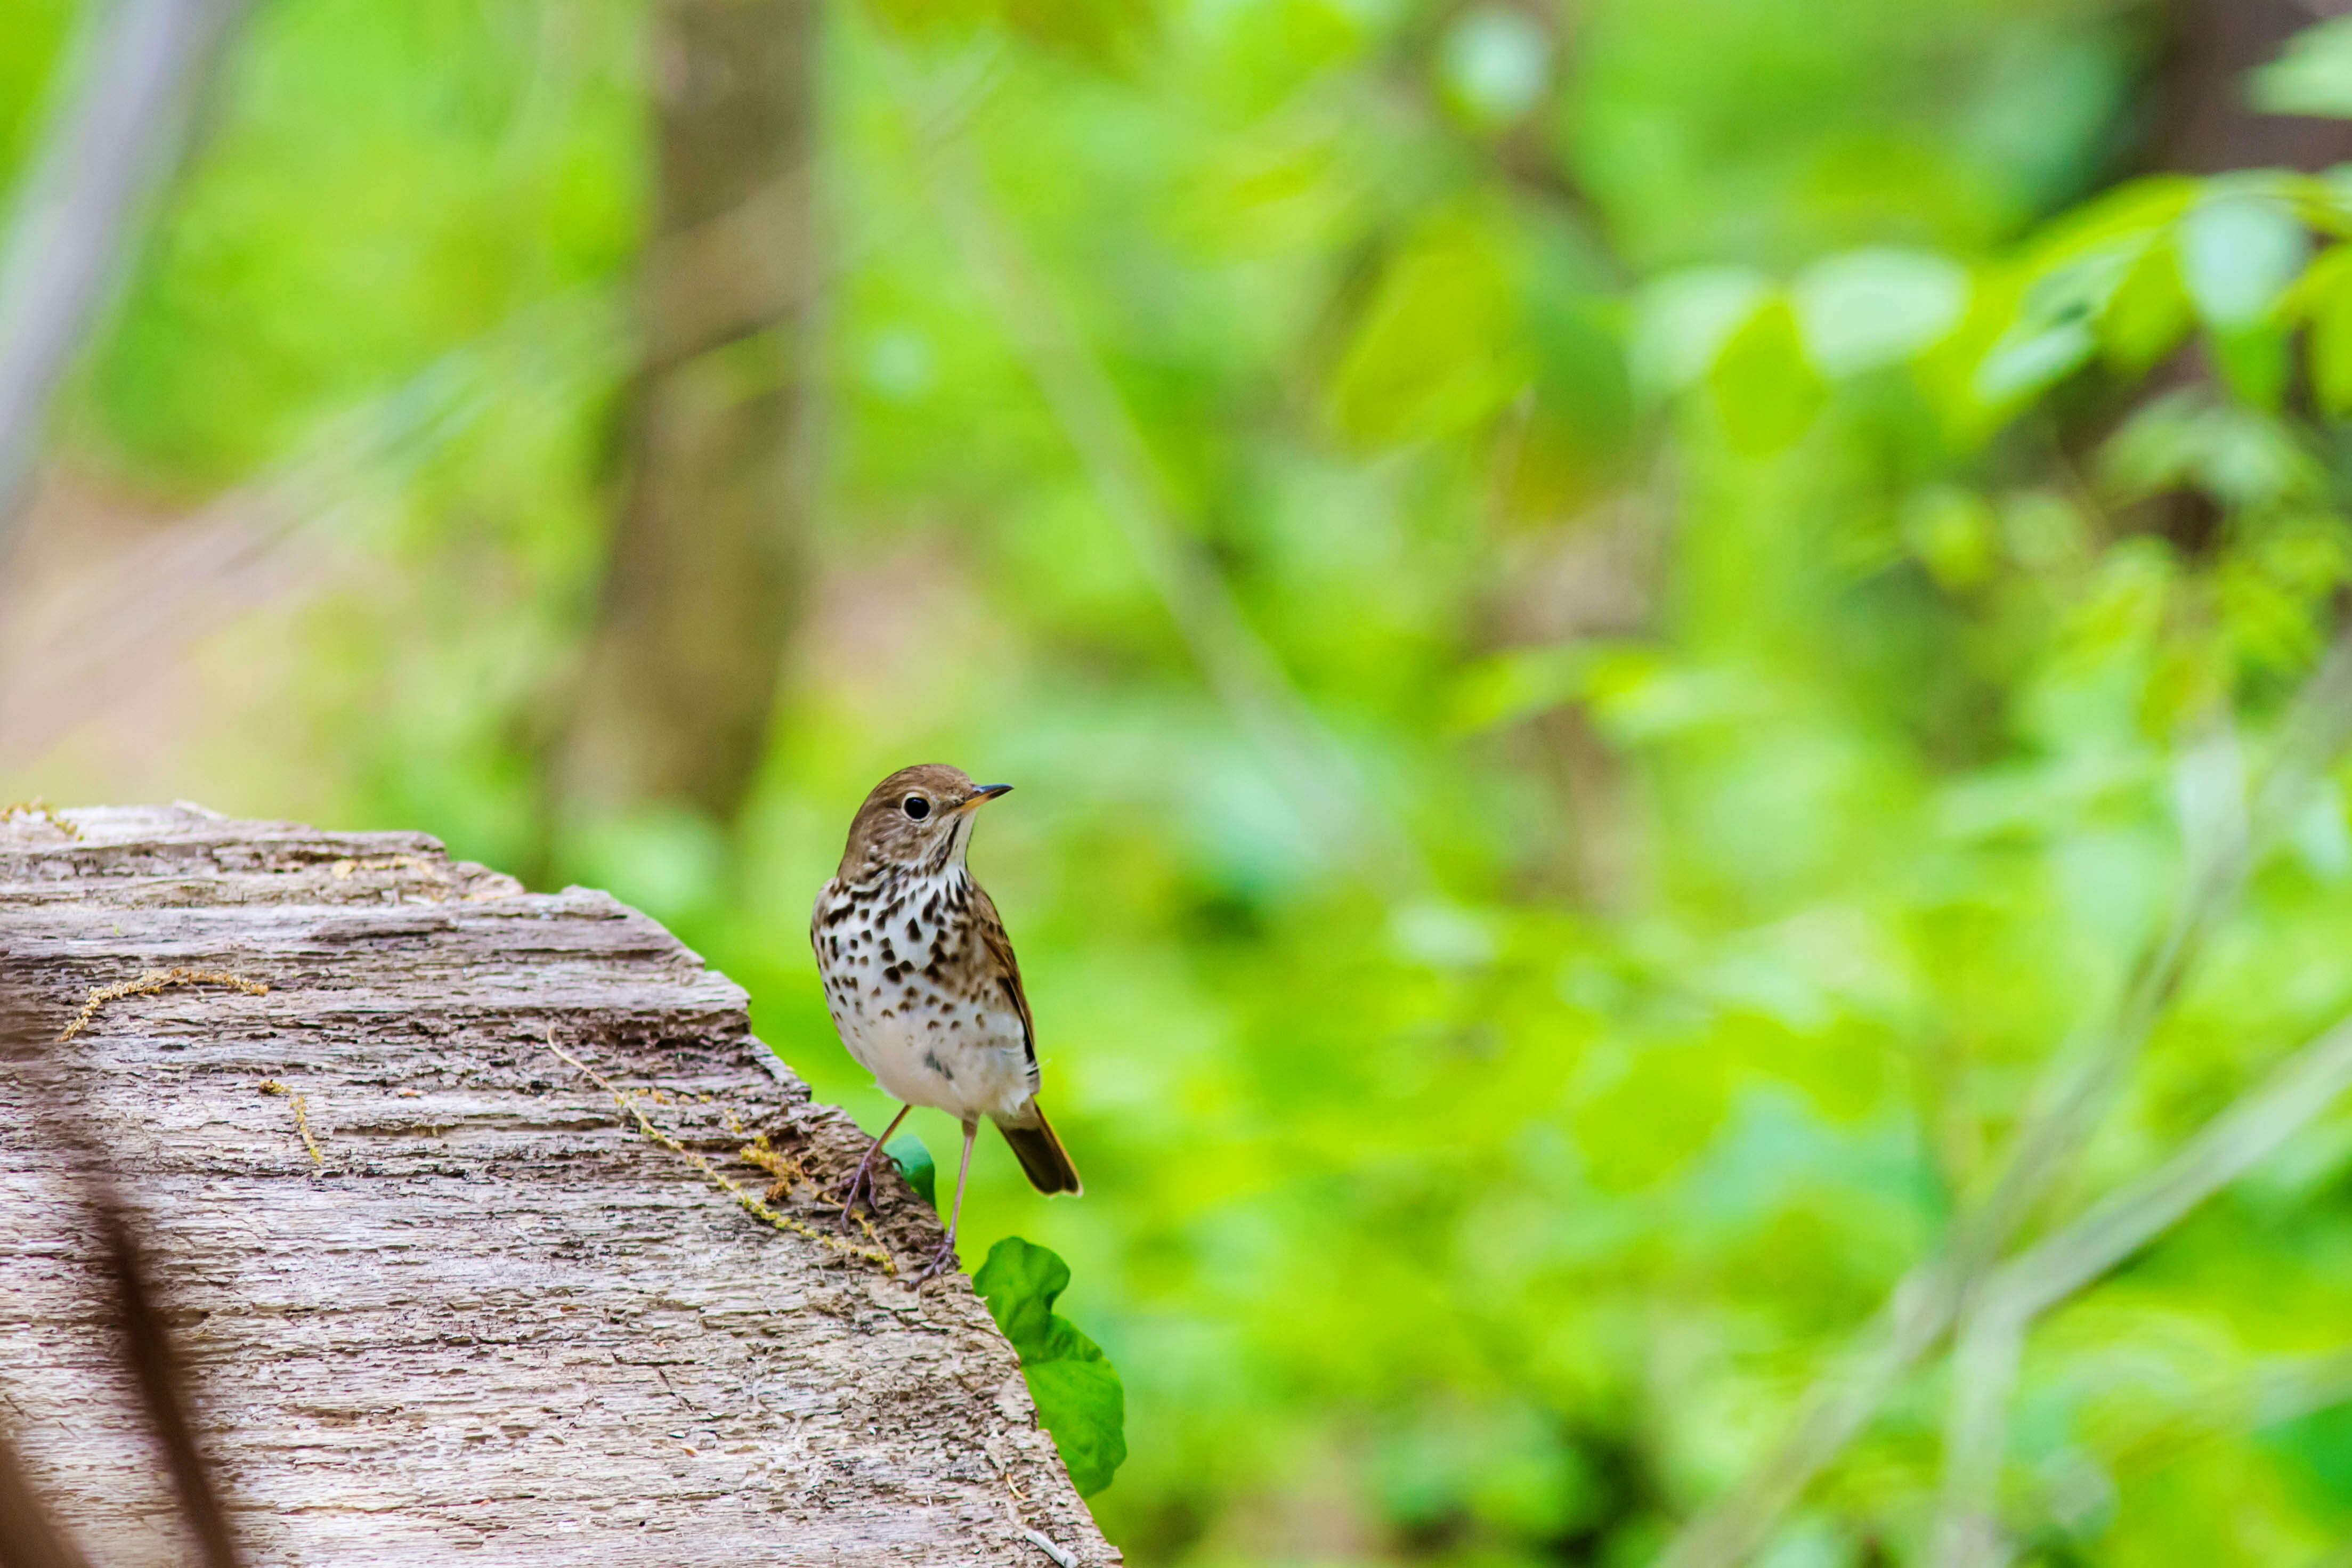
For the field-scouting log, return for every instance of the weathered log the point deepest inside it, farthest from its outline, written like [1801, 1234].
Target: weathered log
[443, 1218]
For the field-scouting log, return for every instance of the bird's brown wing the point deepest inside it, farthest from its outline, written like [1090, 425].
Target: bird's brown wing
[1043, 1159]
[999, 949]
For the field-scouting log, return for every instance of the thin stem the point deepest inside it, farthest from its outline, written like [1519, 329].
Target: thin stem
[1989, 1336]
[1984, 1374]
[2253, 1126]
[1984, 1368]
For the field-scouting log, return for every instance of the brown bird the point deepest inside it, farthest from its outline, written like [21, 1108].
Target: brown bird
[921, 981]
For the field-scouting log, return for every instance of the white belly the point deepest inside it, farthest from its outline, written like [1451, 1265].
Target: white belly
[926, 1040]
[967, 1067]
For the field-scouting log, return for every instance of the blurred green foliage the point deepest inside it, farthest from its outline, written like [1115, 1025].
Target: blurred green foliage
[1759, 509]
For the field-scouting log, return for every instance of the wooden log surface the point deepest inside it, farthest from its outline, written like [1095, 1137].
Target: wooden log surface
[479, 1308]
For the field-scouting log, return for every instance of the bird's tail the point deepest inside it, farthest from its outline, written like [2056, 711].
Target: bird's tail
[1043, 1159]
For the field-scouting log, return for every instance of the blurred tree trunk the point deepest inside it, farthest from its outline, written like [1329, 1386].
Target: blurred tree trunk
[700, 587]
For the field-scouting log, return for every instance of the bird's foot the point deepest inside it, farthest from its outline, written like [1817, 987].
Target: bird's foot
[944, 1261]
[860, 1187]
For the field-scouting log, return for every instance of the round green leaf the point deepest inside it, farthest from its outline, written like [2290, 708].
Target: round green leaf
[1872, 308]
[2238, 254]
[1764, 389]
[1682, 322]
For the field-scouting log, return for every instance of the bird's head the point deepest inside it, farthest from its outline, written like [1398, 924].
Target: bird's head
[918, 820]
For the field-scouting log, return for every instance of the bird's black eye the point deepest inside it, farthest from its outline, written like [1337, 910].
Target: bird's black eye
[915, 806]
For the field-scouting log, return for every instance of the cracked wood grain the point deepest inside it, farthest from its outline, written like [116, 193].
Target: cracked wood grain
[490, 1314]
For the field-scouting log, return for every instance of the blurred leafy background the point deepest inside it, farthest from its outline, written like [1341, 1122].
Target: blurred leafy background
[1633, 634]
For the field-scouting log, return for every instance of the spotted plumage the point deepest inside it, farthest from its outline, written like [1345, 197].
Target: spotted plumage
[920, 979]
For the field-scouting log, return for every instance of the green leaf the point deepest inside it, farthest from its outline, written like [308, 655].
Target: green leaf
[2055, 328]
[1078, 1394]
[2130, 216]
[2043, 531]
[2239, 252]
[1508, 687]
[1765, 390]
[2327, 291]
[1438, 347]
[1020, 1283]
[2255, 364]
[1873, 307]
[1578, 424]
[2149, 313]
[1682, 322]
[1952, 533]
[2313, 77]
[1108, 35]
[2027, 360]
[913, 1158]
[2082, 283]
[1081, 1402]
[2244, 459]
[1493, 63]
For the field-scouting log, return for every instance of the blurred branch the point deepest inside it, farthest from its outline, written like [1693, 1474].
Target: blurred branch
[2232, 1143]
[264, 540]
[1832, 1412]
[1990, 1338]
[144, 1343]
[742, 281]
[1925, 1303]
[1984, 1374]
[1322, 781]
[2295, 1387]
[746, 283]
[105, 152]
[29, 1538]
[2082, 1081]
[155, 1363]
[284, 530]
[1985, 1366]
[2275, 1390]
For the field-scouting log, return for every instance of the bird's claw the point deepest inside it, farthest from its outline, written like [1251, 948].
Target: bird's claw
[861, 1186]
[944, 1261]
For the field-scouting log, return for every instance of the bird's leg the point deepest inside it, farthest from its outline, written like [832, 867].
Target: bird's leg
[861, 1184]
[944, 1259]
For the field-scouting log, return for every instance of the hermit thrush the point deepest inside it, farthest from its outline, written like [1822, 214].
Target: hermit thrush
[921, 981]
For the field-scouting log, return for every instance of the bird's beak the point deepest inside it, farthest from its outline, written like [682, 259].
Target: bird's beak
[982, 793]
